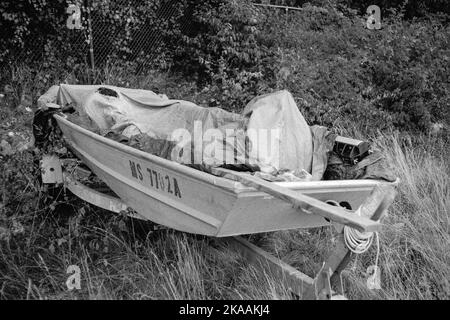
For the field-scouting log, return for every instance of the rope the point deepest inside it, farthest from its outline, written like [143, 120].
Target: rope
[359, 242]
[356, 241]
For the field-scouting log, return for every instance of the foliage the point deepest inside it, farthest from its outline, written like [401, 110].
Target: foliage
[341, 72]
[222, 40]
[35, 31]
[337, 69]
[410, 8]
[225, 51]
[136, 33]
[409, 73]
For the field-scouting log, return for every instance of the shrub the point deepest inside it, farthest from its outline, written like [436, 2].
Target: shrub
[222, 39]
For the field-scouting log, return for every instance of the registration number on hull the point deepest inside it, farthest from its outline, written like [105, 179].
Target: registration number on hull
[155, 179]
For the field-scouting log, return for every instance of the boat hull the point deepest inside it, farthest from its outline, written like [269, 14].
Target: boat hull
[189, 200]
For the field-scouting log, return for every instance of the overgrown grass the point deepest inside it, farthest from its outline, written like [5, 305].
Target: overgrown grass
[415, 246]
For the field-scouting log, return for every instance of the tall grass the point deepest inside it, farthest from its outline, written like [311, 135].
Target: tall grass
[171, 266]
[415, 252]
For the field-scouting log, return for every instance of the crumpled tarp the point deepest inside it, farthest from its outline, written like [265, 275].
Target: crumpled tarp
[328, 165]
[374, 166]
[278, 111]
[323, 143]
[148, 121]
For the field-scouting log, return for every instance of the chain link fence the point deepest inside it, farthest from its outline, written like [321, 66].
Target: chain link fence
[96, 33]
[131, 31]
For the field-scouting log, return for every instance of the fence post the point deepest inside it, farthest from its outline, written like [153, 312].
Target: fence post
[91, 44]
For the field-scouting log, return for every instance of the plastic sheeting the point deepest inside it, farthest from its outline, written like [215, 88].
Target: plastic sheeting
[323, 143]
[374, 166]
[271, 134]
[278, 112]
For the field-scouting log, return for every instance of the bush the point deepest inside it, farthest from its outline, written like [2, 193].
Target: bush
[409, 73]
[222, 39]
[341, 72]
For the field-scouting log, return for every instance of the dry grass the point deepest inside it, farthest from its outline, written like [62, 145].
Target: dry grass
[170, 266]
[415, 252]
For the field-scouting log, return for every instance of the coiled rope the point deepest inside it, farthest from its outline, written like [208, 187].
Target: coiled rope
[359, 242]
[356, 241]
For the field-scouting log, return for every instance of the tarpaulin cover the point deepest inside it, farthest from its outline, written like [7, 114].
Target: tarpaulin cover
[279, 111]
[270, 135]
